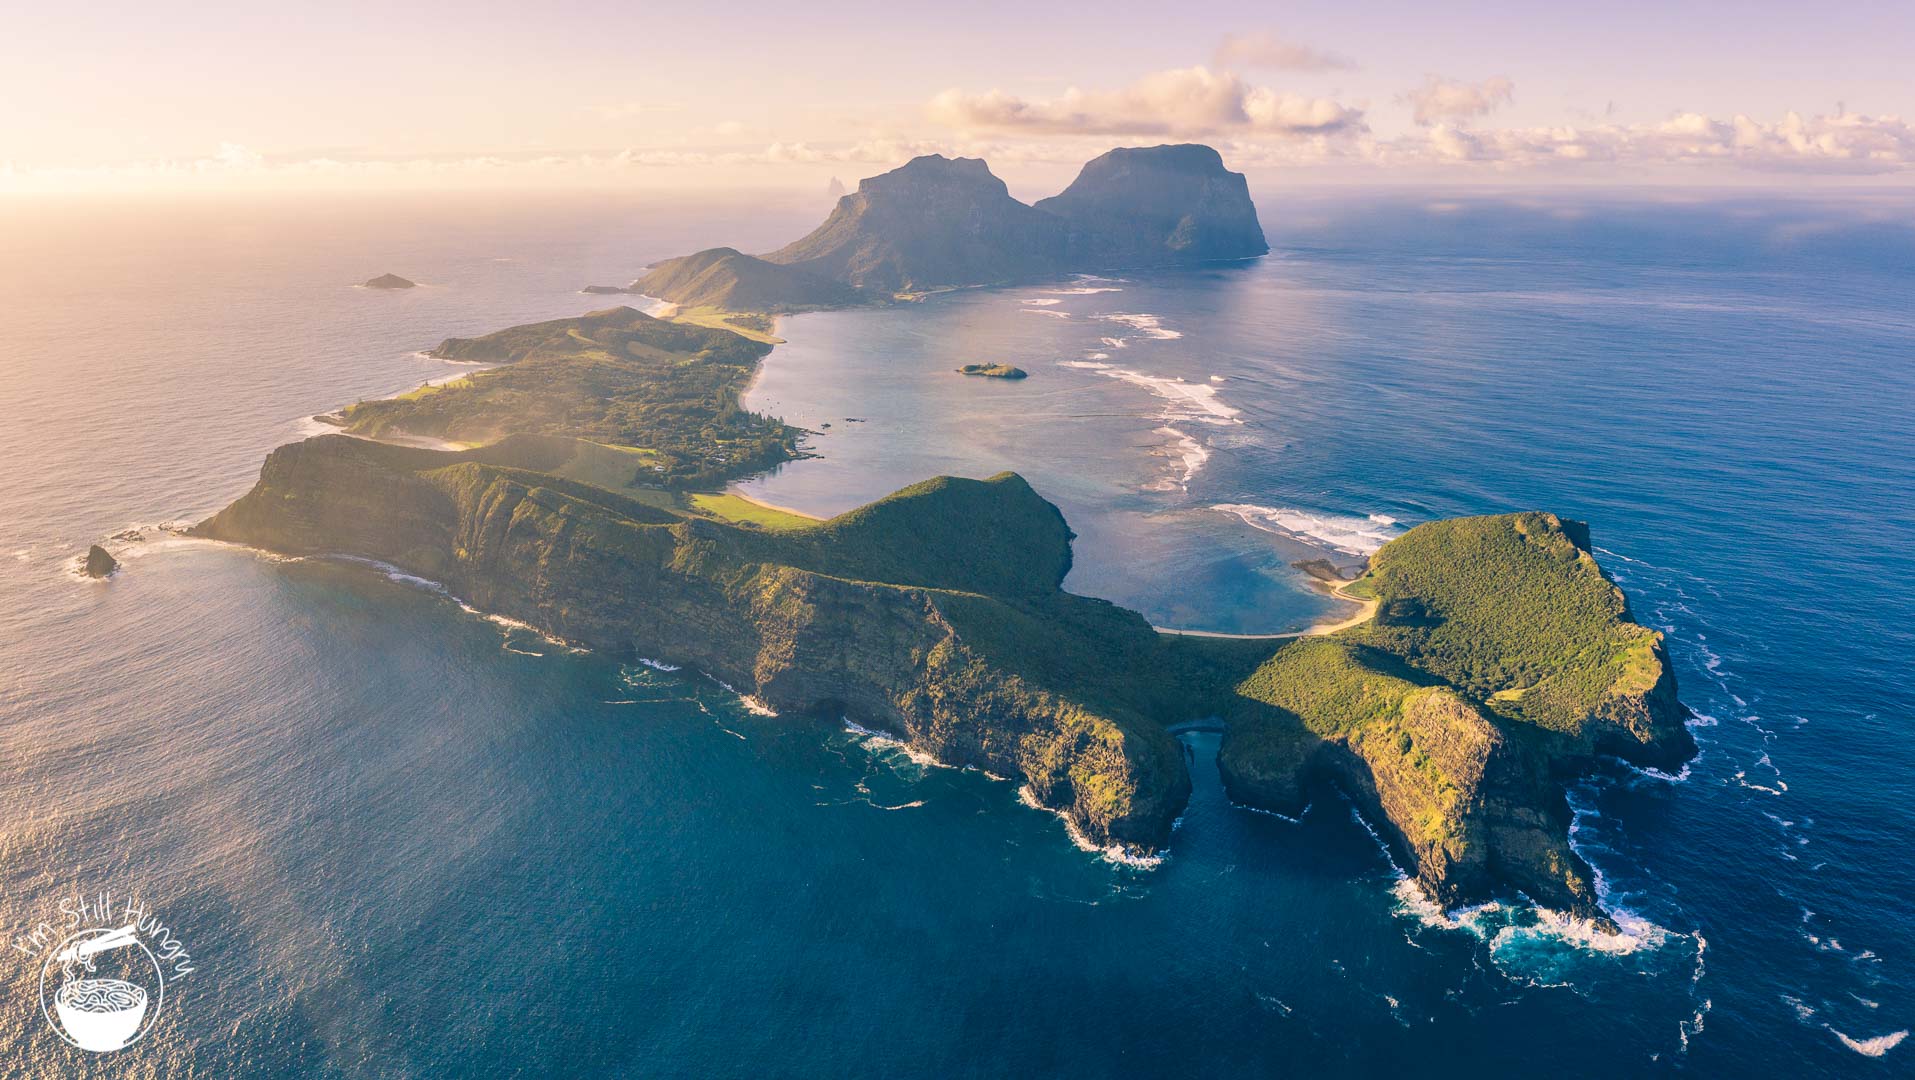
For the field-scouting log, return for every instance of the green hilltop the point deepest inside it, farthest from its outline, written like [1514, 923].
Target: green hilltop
[666, 391]
[724, 278]
[937, 613]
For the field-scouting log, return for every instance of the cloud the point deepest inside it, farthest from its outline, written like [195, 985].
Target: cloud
[1264, 49]
[1848, 143]
[1184, 101]
[1440, 99]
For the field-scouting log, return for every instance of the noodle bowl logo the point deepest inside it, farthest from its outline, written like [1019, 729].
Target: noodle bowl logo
[104, 969]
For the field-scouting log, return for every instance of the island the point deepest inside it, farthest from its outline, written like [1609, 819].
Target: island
[938, 223]
[994, 371]
[390, 281]
[577, 485]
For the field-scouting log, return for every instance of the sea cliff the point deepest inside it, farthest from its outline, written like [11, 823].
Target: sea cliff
[1501, 661]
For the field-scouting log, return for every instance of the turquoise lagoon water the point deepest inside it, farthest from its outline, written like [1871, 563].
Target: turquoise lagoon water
[402, 840]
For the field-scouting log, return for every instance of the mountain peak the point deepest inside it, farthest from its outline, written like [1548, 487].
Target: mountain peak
[1140, 206]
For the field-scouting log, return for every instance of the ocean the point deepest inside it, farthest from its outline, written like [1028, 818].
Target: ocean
[398, 838]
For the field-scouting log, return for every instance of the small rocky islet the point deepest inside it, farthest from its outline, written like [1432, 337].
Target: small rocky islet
[994, 371]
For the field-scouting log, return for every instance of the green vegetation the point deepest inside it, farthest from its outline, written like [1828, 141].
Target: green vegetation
[1514, 612]
[724, 279]
[937, 613]
[754, 325]
[994, 371]
[743, 511]
[663, 394]
[1336, 688]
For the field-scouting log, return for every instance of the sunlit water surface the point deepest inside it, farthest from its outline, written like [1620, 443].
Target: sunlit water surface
[401, 840]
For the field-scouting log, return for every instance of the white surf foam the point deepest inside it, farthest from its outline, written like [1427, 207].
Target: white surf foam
[1188, 401]
[1347, 534]
[1115, 853]
[1193, 453]
[1043, 301]
[1151, 326]
[1874, 1046]
[1046, 311]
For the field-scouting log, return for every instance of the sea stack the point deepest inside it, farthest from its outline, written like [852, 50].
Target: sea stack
[99, 564]
[390, 281]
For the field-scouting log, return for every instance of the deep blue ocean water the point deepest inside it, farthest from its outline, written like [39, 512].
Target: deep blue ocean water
[402, 840]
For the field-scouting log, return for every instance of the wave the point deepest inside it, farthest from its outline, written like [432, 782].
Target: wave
[437, 588]
[1349, 535]
[753, 705]
[1874, 1046]
[1193, 453]
[1188, 401]
[1298, 820]
[1151, 326]
[872, 739]
[1046, 311]
[1088, 365]
[1041, 301]
[1115, 853]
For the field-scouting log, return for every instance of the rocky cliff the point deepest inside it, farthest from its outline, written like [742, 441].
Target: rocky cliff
[1150, 206]
[901, 616]
[933, 222]
[939, 222]
[1501, 661]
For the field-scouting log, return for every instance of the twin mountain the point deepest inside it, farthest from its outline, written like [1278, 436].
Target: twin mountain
[940, 223]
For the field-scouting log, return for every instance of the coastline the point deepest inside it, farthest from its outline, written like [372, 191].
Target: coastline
[1366, 610]
[732, 490]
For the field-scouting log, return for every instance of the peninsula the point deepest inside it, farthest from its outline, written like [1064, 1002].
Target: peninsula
[574, 492]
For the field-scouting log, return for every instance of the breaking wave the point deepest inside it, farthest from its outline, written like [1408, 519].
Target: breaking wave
[1349, 535]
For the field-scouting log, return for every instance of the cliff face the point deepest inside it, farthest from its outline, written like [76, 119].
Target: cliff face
[1501, 660]
[869, 619]
[1155, 205]
[725, 278]
[933, 222]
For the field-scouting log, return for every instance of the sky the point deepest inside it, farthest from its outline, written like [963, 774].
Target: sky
[216, 95]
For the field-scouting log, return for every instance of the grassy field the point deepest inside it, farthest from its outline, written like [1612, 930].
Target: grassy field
[743, 511]
[750, 324]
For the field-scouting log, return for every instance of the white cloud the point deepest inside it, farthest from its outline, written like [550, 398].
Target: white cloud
[1844, 143]
[1266, 50]
[1184, 101]
[1440, 99]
